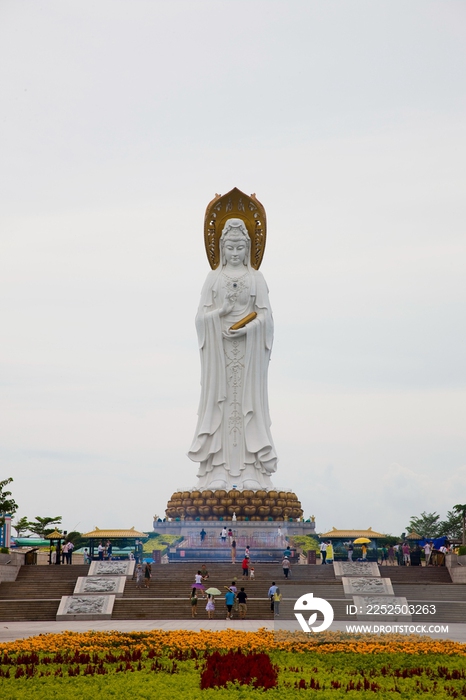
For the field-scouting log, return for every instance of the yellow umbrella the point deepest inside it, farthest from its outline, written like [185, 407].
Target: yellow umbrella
[361, 540]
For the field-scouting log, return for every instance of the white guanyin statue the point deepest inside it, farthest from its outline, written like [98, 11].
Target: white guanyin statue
[233, 443]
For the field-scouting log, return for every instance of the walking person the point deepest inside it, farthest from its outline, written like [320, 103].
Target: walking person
[147, 575]
[245, 567]
[329, 552]
[193, 599]
[323, 552]
[271, 593]
[230, 536]
[64, 553]
[229, 602]
[139, 576]
[427, 552]
[109, 550]
[364, 552]
[235, 591]
[350, 551]
[391, 555]
[70, 553]
[203, 533]
[100, 551]
[384, 556]
[406, 554]
[223, 535]
[277, 596]
[286, 567]
[233, 552]
[242, 597]
[210, 607]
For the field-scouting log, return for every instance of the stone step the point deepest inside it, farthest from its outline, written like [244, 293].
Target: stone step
[53, 572]
[31, 610]
[131, 609]
[35, 593]
[435, 574]
[430, 592]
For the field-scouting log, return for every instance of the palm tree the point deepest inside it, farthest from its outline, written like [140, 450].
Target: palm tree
[41, 526]
[22, 525]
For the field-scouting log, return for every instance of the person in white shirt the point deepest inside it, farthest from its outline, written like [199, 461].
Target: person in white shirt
[323, 552]
[427, 552]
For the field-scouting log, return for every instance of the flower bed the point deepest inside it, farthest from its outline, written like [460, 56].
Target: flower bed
[229, 664]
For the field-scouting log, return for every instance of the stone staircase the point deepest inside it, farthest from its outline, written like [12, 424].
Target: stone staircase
[168, 596]
[36, 593]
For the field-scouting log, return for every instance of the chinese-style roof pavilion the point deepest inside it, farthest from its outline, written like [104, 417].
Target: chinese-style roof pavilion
[55, 535]
[97, 534]
[351, 534]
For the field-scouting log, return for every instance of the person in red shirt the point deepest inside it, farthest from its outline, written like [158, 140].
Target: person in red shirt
[245, 567]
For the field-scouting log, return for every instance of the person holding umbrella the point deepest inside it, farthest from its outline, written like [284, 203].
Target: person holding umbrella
[210, 607]
[363, 541]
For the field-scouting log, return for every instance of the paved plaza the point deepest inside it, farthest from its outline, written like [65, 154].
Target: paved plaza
[9, 631]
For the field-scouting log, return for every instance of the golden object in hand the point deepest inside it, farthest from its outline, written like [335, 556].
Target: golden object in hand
[240, 324]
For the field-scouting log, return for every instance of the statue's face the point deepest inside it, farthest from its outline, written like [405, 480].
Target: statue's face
[235, 252]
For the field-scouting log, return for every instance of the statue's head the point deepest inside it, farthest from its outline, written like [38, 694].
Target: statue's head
[235, 231]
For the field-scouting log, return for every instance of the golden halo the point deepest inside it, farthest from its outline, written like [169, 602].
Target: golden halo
[235, 205]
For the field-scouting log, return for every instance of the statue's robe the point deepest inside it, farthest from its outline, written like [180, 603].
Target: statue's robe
[233, 443]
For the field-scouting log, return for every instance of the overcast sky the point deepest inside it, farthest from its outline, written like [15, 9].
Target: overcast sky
[120, 120]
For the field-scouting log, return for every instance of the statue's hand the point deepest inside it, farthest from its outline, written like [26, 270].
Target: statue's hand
[228, 304]
[235, 334]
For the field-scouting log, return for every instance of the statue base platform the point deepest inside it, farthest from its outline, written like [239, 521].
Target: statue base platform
[242, 506]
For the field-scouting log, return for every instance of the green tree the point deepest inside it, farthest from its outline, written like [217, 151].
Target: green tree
[43, 526]
[75, 537]
[460, 508]
[21, 526]
[452, 526]
[7, 504]
[426, 524]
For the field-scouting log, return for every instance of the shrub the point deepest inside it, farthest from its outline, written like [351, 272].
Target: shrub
[254, 669]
